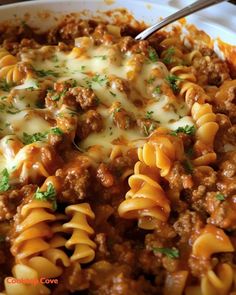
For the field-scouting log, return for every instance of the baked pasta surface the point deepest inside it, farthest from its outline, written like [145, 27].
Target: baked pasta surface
[117, 161]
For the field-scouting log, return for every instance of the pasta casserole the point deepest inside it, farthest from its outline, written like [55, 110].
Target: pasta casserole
[117, 162]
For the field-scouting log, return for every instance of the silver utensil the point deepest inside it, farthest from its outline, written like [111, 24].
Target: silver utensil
[194, 7]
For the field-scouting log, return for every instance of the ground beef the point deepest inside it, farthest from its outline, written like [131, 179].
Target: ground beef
[11, 199]
[90, 122]
[186, 224]
[150, 263]
[105, 176]
[226, 180]
[75, 178]
[225, 99]
[222, 213]
[85, 97]
[121, 118]
[198, 267]
[211, 70]
[101, 251]
[126, 43]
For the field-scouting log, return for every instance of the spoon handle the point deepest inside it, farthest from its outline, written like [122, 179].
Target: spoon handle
[194, 7]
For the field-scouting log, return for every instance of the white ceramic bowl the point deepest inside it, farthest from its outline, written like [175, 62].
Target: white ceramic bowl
[217, 21]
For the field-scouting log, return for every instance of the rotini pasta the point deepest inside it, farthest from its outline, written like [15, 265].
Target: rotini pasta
[9, 68]
[83, 246]
[211, 240]
[205, 134]
[161, 151]
[218, 281]
[146, 200]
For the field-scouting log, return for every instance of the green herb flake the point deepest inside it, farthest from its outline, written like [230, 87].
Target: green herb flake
[48, 195]
[56, 131]
[150, 80]
[116, 110]
[187, 129]
[58, 96]
[149, 115]
[152, 54]
[82, 68]
[157, 90]
[220, 197]
[30, 138]
[172, 80]
[148, 130]
[112, 93]
[172, 253]
[44, 73]
[4, 182]
[99, 79]
[103, 57]
[169, 53]
[188, 166]
[5, 86]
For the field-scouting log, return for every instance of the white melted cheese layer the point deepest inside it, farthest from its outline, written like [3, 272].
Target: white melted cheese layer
[97, 67]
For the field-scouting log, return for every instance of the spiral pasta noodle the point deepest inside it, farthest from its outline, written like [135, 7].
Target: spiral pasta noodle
[207, 127]
[211, 240]
[172, 51]
[189, 90]
[9, 68]
[83, 246]
[25, 273]
[146, 200]
[36, 244]
[218, 281]
[161, 151]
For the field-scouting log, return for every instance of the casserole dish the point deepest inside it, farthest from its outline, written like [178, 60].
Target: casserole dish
[117, 157]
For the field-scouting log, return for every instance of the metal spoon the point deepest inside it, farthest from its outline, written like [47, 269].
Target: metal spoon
[194, 7]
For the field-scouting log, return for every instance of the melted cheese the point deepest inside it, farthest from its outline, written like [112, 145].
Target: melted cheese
[104, 69]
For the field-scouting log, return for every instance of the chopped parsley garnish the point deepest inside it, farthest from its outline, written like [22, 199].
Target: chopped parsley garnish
[189, 130]
[116, 110]
[44, 73]
[5, 86]
[56, 131]
[74, 83]
[82, 68]
[150, 80]
[88, 83]
[48, 195]
[57, 96]
[149, 114]
[99, 79]
[157, 90]
[172, 80]
[188, 166]
[169, 252]
[148, 130]
[152, 54]
[220, 197]
[103, 57]
[30, 138]
[112, 93]
[169, 53]
[4, 182]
